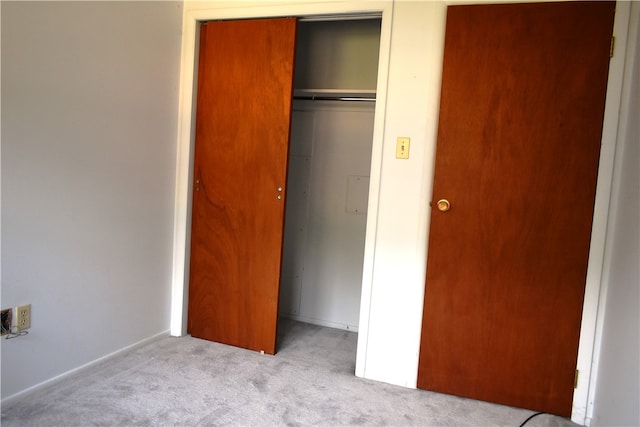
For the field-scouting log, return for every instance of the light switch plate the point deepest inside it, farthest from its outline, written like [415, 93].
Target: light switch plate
[402, 147]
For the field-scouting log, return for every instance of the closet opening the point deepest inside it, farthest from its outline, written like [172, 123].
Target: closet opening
[335, 79]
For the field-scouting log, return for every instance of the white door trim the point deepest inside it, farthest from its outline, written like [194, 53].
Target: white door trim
[597, 280]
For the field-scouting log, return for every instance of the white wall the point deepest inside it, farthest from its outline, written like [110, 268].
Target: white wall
[326, 213]
[89, 121]
[618, 386]
[393, 318]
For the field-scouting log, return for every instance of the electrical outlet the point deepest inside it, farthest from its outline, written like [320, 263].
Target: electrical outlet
[23, 317]
[5, 321]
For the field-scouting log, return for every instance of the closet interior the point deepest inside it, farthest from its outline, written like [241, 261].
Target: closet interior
[328, 174]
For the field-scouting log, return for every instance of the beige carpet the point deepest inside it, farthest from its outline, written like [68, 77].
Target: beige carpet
[191, 382]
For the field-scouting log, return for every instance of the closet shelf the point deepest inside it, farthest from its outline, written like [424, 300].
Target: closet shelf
[335, 94]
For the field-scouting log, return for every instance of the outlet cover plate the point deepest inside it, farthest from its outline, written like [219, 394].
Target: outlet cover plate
[23, 317]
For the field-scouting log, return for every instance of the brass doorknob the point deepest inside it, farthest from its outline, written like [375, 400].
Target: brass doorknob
[443, 205]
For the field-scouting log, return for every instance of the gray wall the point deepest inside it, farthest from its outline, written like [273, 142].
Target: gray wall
[89, 125]
[337, 54]
[618, 388]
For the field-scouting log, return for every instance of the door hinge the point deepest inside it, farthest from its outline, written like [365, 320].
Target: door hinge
[613, 45]
[575, 380]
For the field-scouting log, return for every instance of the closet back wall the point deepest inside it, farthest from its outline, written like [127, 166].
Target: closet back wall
[328, 182]
[337, 54]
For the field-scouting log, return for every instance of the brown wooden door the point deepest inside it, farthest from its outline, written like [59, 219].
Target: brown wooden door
[519, 137]
[242, 139]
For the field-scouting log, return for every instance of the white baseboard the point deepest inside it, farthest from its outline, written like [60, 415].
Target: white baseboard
[319, 322]
[21, 394]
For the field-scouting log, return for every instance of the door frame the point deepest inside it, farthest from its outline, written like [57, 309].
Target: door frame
[193, 15]
[596, 283]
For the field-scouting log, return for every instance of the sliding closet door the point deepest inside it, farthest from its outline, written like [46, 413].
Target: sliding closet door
[242, 138]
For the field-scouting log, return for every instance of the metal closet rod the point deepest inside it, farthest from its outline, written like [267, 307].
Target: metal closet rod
[341, 17]
[335, 98]
[335, 95]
